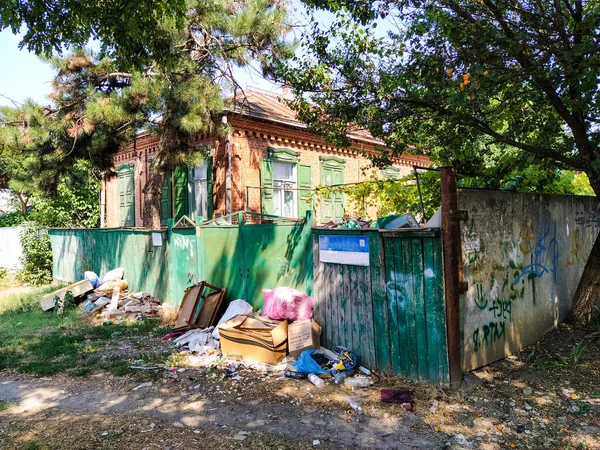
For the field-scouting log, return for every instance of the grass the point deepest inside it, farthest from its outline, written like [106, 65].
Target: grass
[44, 344]
[4, 405]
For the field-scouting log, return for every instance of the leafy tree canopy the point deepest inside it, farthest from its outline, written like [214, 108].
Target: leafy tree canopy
[99, 106]
[475, 84]
[132, 31]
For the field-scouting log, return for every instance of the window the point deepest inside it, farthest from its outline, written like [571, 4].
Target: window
[332, 174]
[126, 196]
[199, 192]
[284, 193]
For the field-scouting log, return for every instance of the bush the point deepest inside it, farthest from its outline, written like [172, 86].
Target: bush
[37, 255]
[12, 219]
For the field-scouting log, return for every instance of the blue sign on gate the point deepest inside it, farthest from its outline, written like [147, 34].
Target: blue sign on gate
[351, 250]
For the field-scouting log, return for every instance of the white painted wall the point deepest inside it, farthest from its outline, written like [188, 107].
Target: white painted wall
[10, 248]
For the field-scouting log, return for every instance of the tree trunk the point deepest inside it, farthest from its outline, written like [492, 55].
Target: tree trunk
[587, 295]
[152, 196]
[156, 177]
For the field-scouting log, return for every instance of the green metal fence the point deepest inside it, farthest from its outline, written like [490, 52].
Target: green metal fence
[244, 257]
[146, 267]
[391, 313]
[247, 257]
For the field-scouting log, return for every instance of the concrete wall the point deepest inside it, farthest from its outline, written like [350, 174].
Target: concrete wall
[10, 248]
[523, 255]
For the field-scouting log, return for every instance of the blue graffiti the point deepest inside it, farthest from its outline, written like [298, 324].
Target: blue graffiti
[544, 257]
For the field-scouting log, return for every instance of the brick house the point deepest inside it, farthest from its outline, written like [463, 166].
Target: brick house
[267, 163]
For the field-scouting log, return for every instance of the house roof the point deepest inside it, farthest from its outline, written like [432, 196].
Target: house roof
[259, 104]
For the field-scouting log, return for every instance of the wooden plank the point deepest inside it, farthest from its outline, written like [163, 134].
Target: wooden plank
[76, 289]
[409, 310]
[340, 305]
[396, 305]
[379, 299]
[356, 297]
[329, 300]
[431, 315]
[365, 308]
[440, 303]
[419, 304]
[318, 288]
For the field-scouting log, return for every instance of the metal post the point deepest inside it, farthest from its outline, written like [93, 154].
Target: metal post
[451, 248]
[423, 218]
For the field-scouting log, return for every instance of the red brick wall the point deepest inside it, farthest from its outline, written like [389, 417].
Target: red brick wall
[249, 141]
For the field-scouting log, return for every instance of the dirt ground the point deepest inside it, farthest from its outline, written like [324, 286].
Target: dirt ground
[540, 398]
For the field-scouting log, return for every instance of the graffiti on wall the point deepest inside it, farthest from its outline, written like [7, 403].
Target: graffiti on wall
[544, 254]
[497, 312]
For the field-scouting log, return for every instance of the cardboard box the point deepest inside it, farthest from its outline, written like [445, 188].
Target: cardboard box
[303, 335]
[255, 338]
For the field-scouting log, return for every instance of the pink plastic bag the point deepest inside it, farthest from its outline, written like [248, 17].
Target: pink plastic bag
[287, 303]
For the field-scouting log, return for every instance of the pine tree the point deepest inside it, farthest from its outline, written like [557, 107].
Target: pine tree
[98, 106]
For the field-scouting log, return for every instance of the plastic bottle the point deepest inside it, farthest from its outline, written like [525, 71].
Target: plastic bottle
[364, 370]
[295, 375]
[357, 381]
[314, 379]
[339, 377]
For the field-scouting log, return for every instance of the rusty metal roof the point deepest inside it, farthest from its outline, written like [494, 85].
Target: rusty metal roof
[259, 104]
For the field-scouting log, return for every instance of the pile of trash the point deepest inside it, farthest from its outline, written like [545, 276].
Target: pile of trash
[282, 339]
[106, 297]
[389, 222]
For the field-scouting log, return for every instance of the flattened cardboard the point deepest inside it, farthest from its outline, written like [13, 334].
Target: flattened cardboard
[255, 338]
[303, 335]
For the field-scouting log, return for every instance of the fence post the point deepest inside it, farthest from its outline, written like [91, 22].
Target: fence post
[451, 257]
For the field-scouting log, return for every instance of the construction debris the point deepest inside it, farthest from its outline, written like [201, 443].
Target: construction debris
[78, 289]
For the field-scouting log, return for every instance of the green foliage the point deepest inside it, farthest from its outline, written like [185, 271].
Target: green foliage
[12, 219]
[389, 196]
[475, 85]
[99, 104]
[131, 30]
[76, 204]
[577, 352]
[37, 255]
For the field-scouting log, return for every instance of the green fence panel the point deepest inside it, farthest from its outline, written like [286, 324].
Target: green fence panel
[221, 253]
[185, 270]
[415, 305]
[390, 313]
[248, 258]
[146, 267]
[343, 299]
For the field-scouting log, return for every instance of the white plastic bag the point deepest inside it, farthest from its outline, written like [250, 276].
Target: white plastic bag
[235, 307]
[113, 275]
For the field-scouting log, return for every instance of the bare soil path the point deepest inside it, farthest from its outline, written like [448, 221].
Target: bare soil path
[171, 412]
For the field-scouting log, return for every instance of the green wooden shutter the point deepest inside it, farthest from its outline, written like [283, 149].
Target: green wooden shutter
[122, 203]
[326, 203]
[338, 197]
[165, 201]
[332, 173]
[210, 183]
[266, 180]
[126, 197]
[304, 182]
[180, 196]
